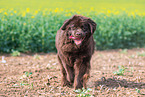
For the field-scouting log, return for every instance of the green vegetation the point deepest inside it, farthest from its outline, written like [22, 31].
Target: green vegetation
[36, 56]
[137, 90]
[15, 53]
[83, 92]
[124, 51]
[141, 54]
[121, 70]
[27, 27]
[85, 5]
[25, 80]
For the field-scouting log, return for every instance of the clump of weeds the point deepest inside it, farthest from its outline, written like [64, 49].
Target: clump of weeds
[121, 70]
[124, 51]
[25, 81]
[36, 56]
[15, 53]
[83, 92]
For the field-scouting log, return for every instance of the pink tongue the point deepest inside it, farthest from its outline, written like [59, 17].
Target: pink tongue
[76, 40]
[71, 37]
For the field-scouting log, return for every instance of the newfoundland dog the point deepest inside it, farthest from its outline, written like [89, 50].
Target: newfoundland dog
[75, 46]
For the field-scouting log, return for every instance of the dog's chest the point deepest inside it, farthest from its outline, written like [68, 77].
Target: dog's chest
[75, 58]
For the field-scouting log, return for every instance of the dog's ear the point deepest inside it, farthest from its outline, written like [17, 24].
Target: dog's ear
[66, 22]
[92, 25]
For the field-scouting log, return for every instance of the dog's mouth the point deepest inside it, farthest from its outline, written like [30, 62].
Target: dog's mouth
[77, 40]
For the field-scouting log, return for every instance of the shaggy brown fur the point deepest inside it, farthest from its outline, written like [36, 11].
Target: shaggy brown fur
[75, 46]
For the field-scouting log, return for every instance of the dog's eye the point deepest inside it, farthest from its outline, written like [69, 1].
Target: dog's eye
[85, 28]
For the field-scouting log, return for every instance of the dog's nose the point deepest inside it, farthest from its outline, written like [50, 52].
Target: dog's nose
[79, 34]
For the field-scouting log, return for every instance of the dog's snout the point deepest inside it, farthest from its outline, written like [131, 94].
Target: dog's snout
[79, 34]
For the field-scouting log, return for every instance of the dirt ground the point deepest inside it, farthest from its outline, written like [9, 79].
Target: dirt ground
[39, 74]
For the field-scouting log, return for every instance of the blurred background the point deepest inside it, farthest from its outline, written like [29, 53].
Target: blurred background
[85, 5]
[31, 25]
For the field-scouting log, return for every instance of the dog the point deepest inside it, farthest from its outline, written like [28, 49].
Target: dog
[75, 45]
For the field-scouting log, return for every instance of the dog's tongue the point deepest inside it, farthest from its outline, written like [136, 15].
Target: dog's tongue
[71, 37]
[76, 40]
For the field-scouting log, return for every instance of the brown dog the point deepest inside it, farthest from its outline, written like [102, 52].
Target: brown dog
[75, 46]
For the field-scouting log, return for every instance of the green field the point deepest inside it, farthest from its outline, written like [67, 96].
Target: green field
[31, 26]
[83, 5]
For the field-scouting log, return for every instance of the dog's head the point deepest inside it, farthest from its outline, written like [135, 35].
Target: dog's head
[79, 28]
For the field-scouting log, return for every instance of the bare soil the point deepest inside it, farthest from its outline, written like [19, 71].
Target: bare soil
[39, 75]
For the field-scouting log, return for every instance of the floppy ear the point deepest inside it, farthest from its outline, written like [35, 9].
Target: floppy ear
[92, 25]
[66, 22]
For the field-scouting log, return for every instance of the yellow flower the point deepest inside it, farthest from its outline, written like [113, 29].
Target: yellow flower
[136, 10]
[11, 14]
[78, 12]
[124, 9]
[28, 10]
[15, 11]
[92, 9]
[109, 11]
[117, 12]
[36, 11]
[5, 13]
[61, 9]
[56, 10]
[69, 14]
[133, 13]
[24, 24]
[32, 17]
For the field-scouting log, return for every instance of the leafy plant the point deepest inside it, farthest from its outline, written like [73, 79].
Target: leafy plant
[23, 83]
[124, 51]
[36, 56]
[137, 90]
[121, 70]
[28, 74]
[25, 80]
[15, 53]
[83, 92]
[141, 54]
